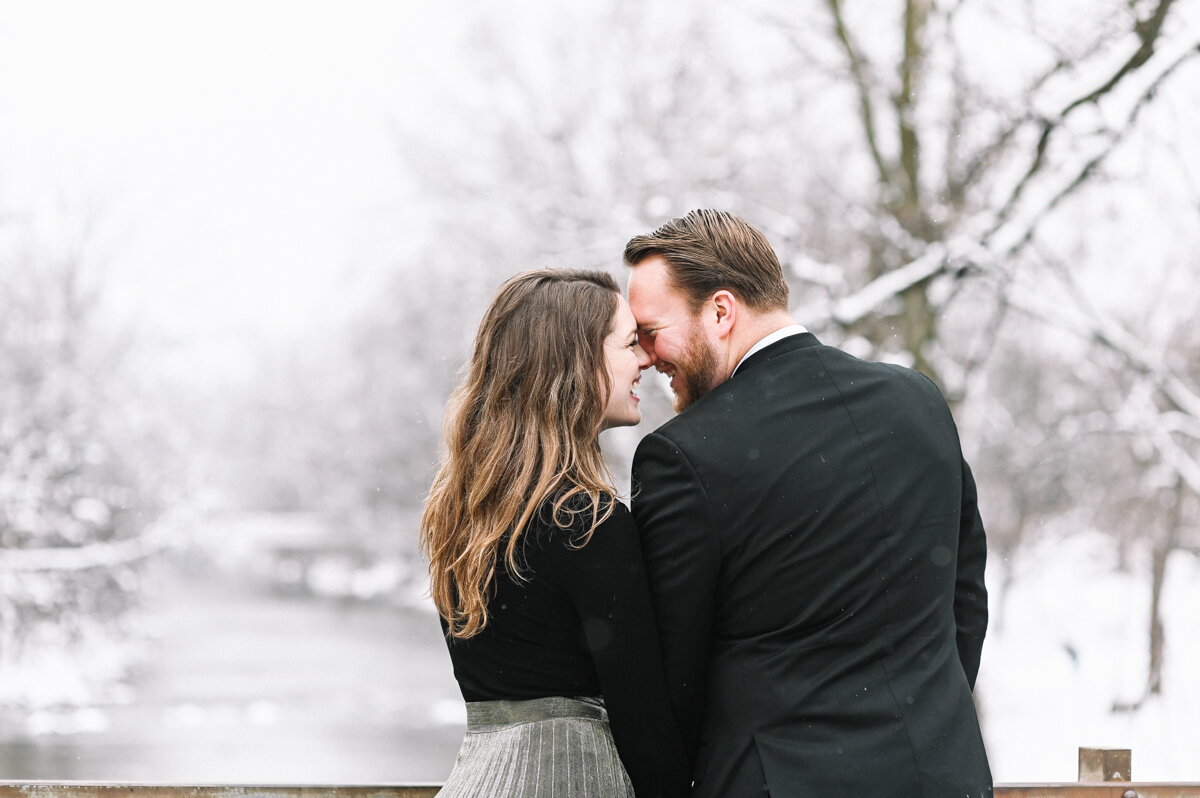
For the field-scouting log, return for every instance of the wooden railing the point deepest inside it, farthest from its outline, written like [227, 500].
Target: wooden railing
[79, 789]
[1103, 773]
[1129, 789]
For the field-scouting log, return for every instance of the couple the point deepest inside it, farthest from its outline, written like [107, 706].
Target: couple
[795, 606]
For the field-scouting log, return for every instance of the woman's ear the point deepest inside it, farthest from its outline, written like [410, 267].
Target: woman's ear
[722, 312]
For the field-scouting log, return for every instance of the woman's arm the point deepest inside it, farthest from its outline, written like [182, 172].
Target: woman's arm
[606, 579]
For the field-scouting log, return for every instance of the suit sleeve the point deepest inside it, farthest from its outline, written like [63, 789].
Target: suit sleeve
[606, 580]
[970, 592]
[683, 563]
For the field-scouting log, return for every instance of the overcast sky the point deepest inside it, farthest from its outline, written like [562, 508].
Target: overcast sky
[238, 153]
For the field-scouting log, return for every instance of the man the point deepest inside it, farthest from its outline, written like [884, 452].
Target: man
[812, 539]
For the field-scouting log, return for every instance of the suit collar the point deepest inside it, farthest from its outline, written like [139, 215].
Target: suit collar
[767, 340]
[791, 343]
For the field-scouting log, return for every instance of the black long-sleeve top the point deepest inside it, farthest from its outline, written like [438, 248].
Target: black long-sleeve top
[581, 625]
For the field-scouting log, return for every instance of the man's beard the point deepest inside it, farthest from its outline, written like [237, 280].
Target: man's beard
[697, 375]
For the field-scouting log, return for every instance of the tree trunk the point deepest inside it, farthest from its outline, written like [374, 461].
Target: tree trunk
[1158, 572]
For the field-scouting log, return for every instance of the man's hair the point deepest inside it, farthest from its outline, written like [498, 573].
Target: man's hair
[709, 251]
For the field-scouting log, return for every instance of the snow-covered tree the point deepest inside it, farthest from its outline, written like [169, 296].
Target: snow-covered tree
[76, 503]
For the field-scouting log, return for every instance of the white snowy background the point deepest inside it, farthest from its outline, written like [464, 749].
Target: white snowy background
[243, 246]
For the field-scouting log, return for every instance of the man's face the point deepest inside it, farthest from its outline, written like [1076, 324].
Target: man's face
[675, 340]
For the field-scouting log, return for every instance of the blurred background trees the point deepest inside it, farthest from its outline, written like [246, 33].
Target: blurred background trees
[84, 474]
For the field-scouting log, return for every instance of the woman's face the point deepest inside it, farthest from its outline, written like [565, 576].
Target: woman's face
[625, 359]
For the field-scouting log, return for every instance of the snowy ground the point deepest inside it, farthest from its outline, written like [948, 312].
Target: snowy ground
[1071, 642]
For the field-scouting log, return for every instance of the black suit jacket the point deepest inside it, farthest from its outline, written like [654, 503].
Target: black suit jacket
[816, 560]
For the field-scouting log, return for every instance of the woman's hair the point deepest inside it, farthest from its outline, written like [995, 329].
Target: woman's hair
[522, 430]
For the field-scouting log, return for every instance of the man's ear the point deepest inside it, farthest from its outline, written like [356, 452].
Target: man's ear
[723, 312]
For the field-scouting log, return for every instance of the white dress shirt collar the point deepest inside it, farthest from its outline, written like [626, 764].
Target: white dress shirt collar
[778, 335]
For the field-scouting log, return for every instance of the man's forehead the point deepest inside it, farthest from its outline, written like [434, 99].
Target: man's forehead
[651, 294]
[659, 310]
[651, 273]
[648, 312]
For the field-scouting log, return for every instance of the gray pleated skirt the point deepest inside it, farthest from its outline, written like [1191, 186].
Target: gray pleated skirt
[543, 748]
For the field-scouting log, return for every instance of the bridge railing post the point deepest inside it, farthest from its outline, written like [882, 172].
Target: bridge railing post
[1105, 764]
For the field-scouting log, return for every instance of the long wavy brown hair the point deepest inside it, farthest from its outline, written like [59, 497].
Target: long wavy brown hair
[522, 433]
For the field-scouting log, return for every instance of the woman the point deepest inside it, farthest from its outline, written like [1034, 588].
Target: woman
[535, 565]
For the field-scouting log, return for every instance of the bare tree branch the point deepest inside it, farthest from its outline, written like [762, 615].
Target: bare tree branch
[1148, 32]
[862, 84]
[1159, 380]
[1097, 327]
[916, 14]
[82, 558]
[938, 258]
[1114, 137]
[987, 155]
[1177, 458]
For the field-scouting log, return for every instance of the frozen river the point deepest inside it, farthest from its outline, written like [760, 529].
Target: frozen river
[247, 686]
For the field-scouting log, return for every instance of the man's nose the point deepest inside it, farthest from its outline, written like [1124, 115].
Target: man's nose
[646, 343]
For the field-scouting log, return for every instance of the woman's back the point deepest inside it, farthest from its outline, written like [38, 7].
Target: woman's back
[534, 644]
[579, 624]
